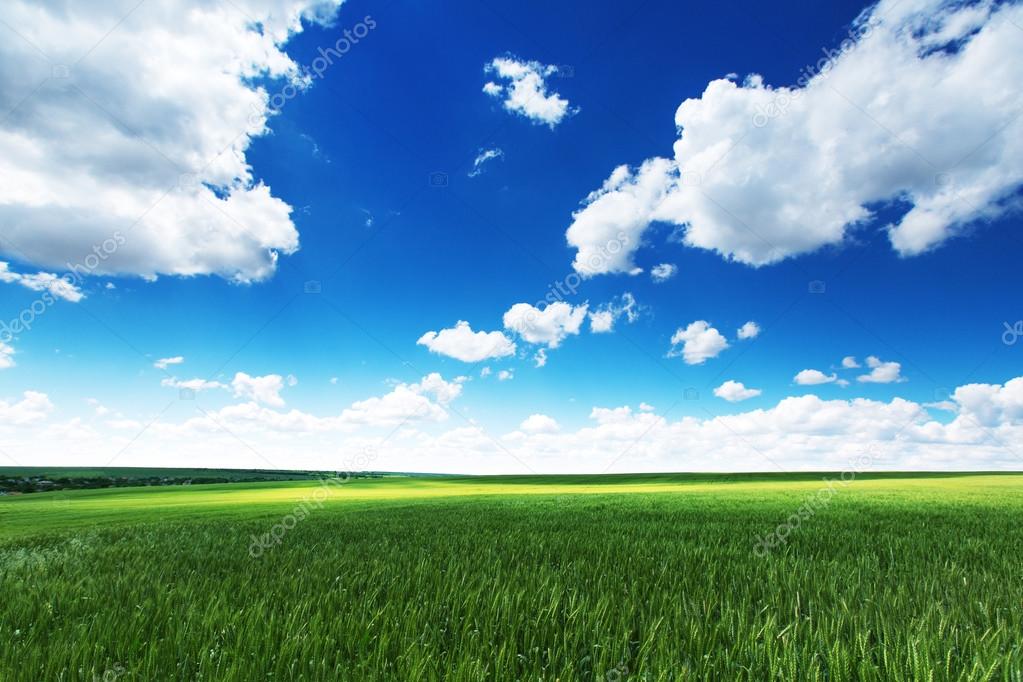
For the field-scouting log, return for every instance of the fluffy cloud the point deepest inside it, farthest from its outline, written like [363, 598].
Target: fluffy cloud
[919, 106]
[484, 156]
[548, 326]
[991, 404]
[882, 372]
[506, 375]
[525, 90]
[462, 343]
[112, 160]
[539, 423]
[735, 391]
[849, 362]
[42, 281]
[804, 433]
[6, 356]
[164, 363]
[663, 272]
[814, 377]
[750, 330]
[540, 358]
[33, 407]
[602, 319]
[700, 342]
[608, 229]
[406, 403]
[266, 389]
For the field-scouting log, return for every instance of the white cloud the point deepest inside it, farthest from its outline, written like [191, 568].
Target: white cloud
[462, 343]
[663, 272]
[602, 319]
[750, 330]
[506, 375]
[539, 423]
[112, 159]
[700, 342]
[991, 404]
[540, 358]
[196, 385]
[265, 389]
[525, 90]
[549, 326]
[6, 356]
[849, 362]
[32, 408]
[484, 156]
[735, 391]
[607, 231]
[920, 109]
[485, 372]
[42, 281]
[435, 385]
[406, 403]
[164, 363]
[814, 377]
[99, 409]
[804, 433]
[645, 407]
[882, 372]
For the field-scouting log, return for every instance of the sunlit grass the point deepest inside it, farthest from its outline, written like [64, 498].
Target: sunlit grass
[614, 578]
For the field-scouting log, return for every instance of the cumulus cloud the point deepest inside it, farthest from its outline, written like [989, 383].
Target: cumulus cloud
[849, 362]
[406, 403]
[164, 363]
[882, 372]
[6, 356]
[814, 377]
[113, 161]
[548, 326]
[919, 108]
[462, 343]
[539, 423]
[804, 433]
[602, 319]
[32, 408]
[699, 343]
[540, 358]
[663, 272]
[735, 391]
[506, 375]
[42, 281]
[265, 389]
[524, 90]
[750, 330]
[484, 156]
[607, 231]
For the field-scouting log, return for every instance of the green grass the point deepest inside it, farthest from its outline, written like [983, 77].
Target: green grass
[899, 577]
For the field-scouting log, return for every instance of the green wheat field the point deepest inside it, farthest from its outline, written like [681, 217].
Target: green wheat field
[610, 578]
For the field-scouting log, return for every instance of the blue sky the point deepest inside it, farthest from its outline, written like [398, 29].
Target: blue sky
[840, 222]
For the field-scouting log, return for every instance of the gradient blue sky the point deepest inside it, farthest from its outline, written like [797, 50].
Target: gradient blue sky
[394, 257]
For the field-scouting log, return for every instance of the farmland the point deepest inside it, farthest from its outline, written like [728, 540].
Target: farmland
[655, 577]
